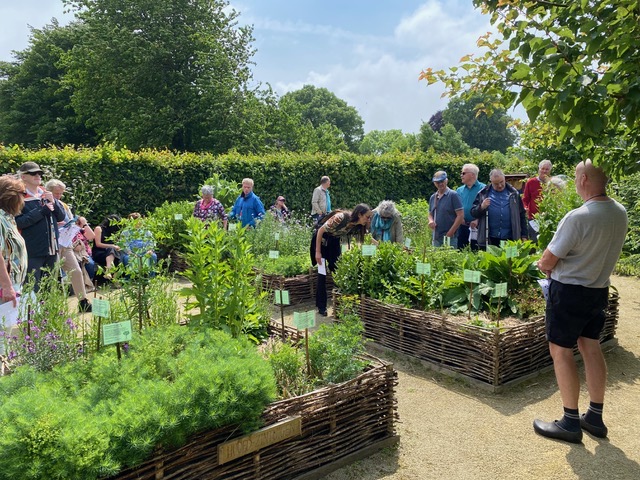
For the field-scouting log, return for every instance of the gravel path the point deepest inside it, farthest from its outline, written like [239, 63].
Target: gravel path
[450, 430]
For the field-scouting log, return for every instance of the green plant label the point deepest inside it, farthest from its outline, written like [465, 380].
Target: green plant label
[471, 276]
[407, 242]
[446, 241]
[503, 244]
[177, 216]
[282, 297]
[423, 268]
[368, 250]
[116, 332]
[100, 308]
[233, 227]
[511, 252]
[500, 289]
[276, 236]
[303, 320]
[274, 254]
[343, 248]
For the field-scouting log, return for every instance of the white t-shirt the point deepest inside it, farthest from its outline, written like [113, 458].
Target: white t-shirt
[588, 243]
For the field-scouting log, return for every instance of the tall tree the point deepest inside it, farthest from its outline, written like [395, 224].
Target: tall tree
[436, 121]
[319, 106]
[377, 142]
[35, 106]
[479, 130]
[448, 141]
[576, 63]
[161, 73]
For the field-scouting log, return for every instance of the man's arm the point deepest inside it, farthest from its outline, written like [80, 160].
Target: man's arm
[548, 262]
[458, 221]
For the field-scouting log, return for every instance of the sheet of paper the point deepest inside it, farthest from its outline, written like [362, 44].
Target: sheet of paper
[322, 267]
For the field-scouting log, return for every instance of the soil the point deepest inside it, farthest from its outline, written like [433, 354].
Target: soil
[452, 430]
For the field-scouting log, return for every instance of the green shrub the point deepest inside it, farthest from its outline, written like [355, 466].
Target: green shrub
[91, 419]
[553, 206]
[285, 265]
[167, 231]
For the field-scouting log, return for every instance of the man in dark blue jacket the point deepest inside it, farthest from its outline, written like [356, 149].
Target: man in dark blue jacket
[38, 222]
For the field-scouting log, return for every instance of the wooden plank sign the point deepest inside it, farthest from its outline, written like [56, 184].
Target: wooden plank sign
[239, 447]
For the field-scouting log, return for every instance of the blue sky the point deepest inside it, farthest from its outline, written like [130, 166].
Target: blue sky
[367, 52]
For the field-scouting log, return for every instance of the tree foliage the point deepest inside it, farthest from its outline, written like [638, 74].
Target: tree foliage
[35, 105]
[161, 73]
[377, 142]
[448, 140]
[479, 130]
[573, 62]
[319, 106]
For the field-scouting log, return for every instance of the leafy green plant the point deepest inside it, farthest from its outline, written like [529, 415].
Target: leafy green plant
[553, 206]
[166, 229]
[289, 367]
[224, 191]
[91, 419]
[223, 287]
[285, 265]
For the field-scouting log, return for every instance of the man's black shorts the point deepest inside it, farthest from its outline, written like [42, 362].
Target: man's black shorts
[575, 311]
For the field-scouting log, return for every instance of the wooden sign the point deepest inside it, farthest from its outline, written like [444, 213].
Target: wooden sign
[287, 428]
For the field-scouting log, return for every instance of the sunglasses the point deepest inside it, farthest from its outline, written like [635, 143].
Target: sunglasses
[33, 174]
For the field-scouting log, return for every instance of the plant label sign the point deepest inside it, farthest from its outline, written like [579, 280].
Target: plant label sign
[423, 268]
[471, 276]
[282, 297]
[177, 216]
[368, 250]
[503, 244]
[276, 236]
[343, 248]
[232, 227]
[446, 241]
[511, 252]
[100, 308]
[274, 254]
[303, 320]
[252, 442]
[407, 242]
[500, 289]
[116, 332]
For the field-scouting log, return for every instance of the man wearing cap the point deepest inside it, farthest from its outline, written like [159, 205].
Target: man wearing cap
[446, 213]
[38, 222]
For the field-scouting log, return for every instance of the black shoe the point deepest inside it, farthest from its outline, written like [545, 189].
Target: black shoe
[84, 306]
[322, 312]
[553, 430]
[600, 432]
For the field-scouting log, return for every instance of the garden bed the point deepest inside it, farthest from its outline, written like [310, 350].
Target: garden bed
[337, 425]
[489, 357]
[302, 288]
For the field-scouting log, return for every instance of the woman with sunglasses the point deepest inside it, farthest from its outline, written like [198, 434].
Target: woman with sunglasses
[38, 222]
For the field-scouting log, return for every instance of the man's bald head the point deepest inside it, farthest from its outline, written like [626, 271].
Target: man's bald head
[590, 179]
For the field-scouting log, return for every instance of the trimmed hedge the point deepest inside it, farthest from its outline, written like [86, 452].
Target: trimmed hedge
[141, 181]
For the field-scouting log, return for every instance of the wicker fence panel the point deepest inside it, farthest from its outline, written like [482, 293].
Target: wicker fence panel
[492, 356]
[302, 288]
[337, 421]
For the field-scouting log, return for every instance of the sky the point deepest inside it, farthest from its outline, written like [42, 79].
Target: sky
[367, 52]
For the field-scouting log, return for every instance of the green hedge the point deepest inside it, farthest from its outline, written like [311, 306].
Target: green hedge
[143, 180]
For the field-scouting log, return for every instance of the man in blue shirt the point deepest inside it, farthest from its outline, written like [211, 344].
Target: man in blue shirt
[468, 191]
[445, 212]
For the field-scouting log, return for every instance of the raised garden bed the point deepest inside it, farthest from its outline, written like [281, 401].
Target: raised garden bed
[331, 427]
[491, 358]
[302, 288]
